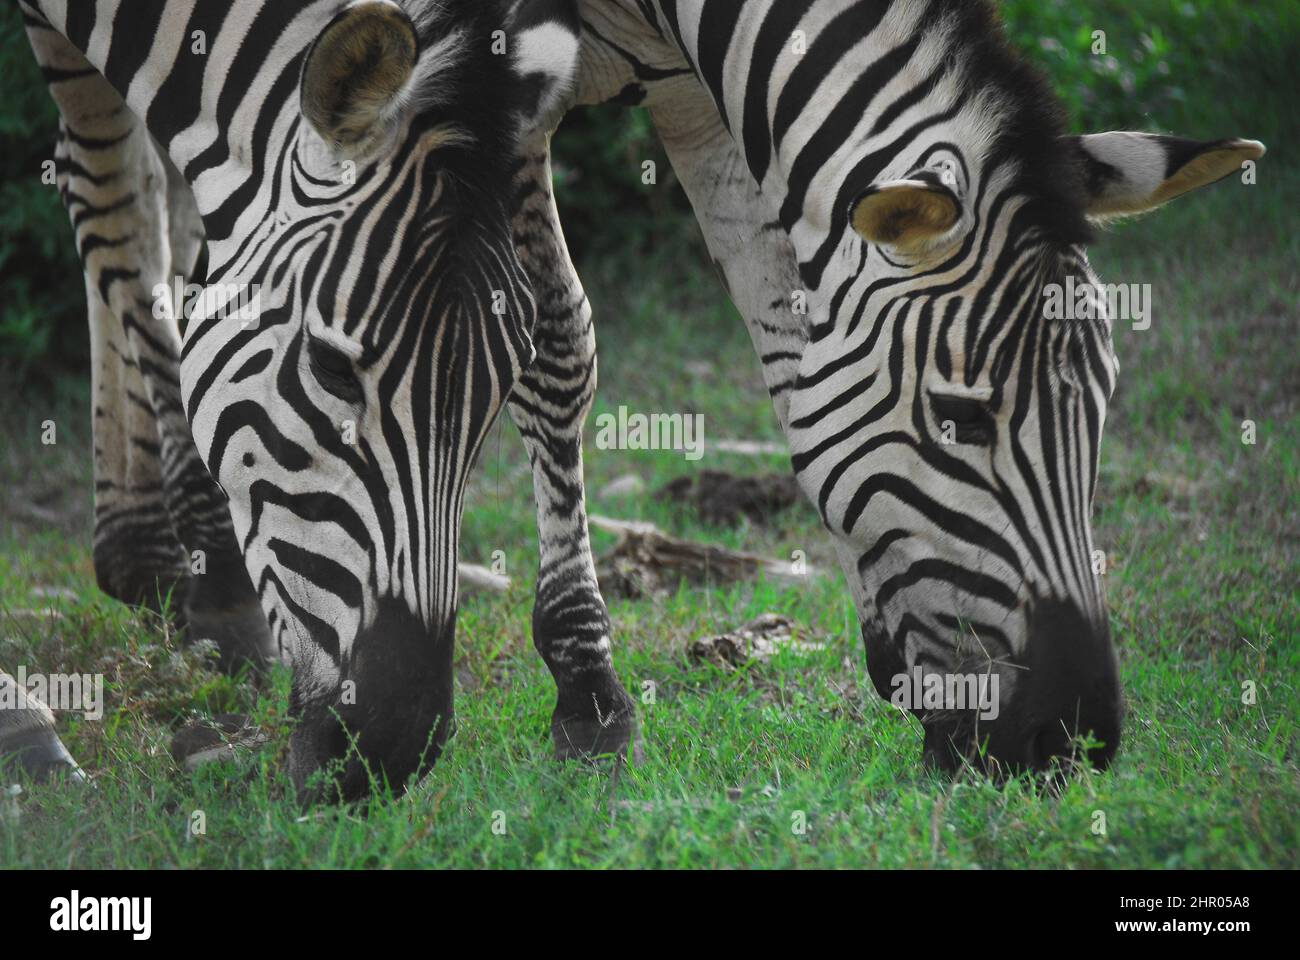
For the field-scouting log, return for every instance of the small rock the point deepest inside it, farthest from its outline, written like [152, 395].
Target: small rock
[624, 486]
[54, 593]
[759, 639]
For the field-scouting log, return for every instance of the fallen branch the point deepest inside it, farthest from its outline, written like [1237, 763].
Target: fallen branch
[646, 561]
[750, 448]
[476, 578]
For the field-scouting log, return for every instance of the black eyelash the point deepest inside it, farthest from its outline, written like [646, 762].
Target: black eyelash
[973, 419]
[334, 371]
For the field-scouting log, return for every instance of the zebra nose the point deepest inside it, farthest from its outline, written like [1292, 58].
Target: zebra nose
[1058, 703]
[393, 721]
[1068, 691]
[1054, 741]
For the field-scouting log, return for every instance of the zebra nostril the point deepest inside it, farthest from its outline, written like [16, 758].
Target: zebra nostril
[1049, 743]
[1054, 742]
[1070, 689]
[1101, 756]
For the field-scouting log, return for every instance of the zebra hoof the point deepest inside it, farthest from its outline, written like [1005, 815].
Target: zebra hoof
[593, 738]
[41, 755]
[241, 637]
[123, 570]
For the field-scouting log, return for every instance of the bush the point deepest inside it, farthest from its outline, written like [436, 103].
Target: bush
[1166, 64]
[597, 157]
[40, 275]
[1204, 68]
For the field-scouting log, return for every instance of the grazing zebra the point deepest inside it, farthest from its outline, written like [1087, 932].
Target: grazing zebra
[888, 191]
[294, 473]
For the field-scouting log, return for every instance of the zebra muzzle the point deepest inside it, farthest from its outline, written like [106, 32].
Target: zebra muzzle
[1061, 704]
[387, 721]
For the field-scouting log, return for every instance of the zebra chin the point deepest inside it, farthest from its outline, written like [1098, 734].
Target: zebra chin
[1057, 706]
[385, 722]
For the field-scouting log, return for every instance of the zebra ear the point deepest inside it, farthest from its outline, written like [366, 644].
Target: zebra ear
[356, 72]
[908, 215]
[1129, 173]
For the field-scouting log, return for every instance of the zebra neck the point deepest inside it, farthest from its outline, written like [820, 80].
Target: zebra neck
[214, 81]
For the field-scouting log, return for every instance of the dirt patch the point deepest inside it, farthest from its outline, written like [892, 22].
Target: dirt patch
[725, 499]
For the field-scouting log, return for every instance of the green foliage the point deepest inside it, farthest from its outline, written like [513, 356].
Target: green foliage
[1162, 64]
[598, 155]
[40, 276]
[1204, 68]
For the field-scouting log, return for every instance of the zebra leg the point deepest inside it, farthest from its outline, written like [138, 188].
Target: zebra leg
[161, 521]
[594, 714]
[220, 603]
[138, 558]
[27, 738]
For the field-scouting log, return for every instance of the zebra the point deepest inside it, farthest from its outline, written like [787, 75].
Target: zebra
[909, 179]
[888, 191]
[291, 475]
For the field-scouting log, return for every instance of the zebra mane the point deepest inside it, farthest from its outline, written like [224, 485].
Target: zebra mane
[464, 79]
[443, 41]
[1034, 124]
[458, 81]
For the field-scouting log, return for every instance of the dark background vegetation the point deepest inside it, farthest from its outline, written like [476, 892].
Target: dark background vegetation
[1164, 57]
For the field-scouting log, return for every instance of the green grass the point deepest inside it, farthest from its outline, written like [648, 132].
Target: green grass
[1202, 534]
[1200, 531]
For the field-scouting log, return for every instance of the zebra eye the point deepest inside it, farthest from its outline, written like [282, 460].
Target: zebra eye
[972, 420]
[334, 371]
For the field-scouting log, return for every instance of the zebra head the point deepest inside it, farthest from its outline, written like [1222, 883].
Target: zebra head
[343, 416]
[948, 412]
